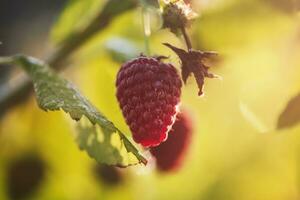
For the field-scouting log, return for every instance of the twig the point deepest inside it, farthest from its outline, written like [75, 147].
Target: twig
[12, 95]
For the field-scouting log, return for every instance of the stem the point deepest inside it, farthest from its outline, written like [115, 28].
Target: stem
[186, 38]
[147, 29]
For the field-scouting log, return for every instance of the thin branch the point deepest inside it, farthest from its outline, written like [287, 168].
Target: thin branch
[11, 96]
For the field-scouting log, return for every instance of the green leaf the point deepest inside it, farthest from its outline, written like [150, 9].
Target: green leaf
[105, 145]
[97, 135]
[291, 114]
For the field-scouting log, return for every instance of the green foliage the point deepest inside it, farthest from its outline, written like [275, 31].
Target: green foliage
[107, 146]
[98, 136]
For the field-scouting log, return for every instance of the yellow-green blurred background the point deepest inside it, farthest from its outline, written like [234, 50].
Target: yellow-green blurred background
[236, 153]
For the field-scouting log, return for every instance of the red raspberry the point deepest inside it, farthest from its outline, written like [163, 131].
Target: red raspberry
[169, 155]
[148, 92]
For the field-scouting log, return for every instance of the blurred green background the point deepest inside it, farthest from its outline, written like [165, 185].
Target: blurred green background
[237, 152]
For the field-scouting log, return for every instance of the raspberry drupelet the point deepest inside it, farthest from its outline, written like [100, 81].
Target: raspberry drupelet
[148, 92]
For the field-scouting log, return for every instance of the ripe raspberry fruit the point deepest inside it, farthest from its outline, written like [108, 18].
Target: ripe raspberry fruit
[148, 92]
[169, 155]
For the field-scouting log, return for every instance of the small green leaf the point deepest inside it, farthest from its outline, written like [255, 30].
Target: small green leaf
[97, 135]
[291, 114]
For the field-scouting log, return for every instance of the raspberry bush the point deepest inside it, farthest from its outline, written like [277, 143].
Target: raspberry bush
[148, 87]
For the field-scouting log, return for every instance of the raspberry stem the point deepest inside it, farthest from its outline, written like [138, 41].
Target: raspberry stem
[186, 38]
[147, 29]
